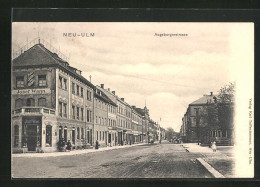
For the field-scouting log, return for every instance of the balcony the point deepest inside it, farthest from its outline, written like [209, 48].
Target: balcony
[34, 111]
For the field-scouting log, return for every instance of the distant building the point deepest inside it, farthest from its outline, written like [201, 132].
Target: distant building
[202, 122]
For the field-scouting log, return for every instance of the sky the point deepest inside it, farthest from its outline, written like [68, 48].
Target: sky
[164, 72]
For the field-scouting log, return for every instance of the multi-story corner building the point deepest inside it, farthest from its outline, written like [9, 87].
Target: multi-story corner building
[50, 100]
[198, 125]
[137, 126]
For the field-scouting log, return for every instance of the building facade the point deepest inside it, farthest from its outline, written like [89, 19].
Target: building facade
[49, 102]
[52, 101]
[203, 123]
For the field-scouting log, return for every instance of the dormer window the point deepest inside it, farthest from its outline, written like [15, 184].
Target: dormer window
[20, 82]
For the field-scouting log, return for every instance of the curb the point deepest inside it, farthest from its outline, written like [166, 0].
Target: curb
[71, 153]
[210, 169]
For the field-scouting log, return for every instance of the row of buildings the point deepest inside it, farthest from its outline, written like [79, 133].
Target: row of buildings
[204, 122]
[51, 100]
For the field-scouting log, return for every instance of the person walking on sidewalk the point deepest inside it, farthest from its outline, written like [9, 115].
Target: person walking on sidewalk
[97, 145]
[214, 146]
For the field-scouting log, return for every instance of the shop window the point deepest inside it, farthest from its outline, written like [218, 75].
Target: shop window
[18, 103]
[20, 82]
[30, 102]
[60, 132]
[73, 135]
[60, 82]
[42, 102]
[78, 133]
[65, 134]
[42, 80]
[16, 136]
[48, 135]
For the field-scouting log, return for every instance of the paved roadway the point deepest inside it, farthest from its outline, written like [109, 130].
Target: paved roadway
[145, 161]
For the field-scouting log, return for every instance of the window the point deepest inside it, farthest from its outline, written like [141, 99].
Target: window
[78, 133]
[88, 115]
[60, 82]
[65, 84]
[100, 135]
[73, 112]
[65, 110]
[77, 113]
[102, 121]
[60, 109]
[60, 132]
[65, 134]
[82, 114]
[18, 103]
[16, 136]
[42, 80]
[90, 95]
[81, 93]
[20, 82]
[99, 120]
[103, 136]
[42, 102]
[73, 88]
[77, 89]
[96, 119]
[30, 102]
[97, 135]
[82, 133]
[48, 135]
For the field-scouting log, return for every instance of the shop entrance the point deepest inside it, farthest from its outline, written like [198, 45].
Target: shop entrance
[31, 133]
[32, 137]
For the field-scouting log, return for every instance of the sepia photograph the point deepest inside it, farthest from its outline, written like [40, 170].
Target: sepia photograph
[132, 100]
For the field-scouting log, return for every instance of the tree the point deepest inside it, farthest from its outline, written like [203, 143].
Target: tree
[170, 133]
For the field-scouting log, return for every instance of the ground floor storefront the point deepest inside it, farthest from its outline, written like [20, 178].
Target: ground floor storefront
[41, 131]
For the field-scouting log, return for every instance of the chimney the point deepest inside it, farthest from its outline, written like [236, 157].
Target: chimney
[114, 92]
[108, 89]
[211, 93]
[123, 99]
[102, 86]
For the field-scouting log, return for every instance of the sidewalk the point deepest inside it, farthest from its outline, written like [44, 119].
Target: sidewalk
[74, 152]
[220, 164]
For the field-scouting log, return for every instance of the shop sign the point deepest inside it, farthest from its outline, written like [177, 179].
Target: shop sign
[31, 91]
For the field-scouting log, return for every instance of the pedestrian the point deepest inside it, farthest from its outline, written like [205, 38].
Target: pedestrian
[214, 146]
[97, 144]
[68, 146]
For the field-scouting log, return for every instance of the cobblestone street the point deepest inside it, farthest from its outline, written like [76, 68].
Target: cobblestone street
[144, 161]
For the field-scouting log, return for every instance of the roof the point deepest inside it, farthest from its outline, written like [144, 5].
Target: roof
[206, 99]
[139, 111]
[104, 97]
[38, 55]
